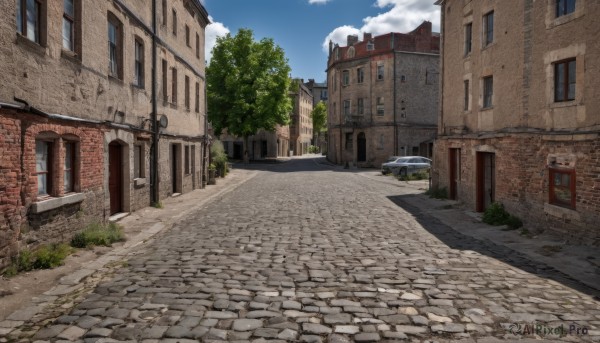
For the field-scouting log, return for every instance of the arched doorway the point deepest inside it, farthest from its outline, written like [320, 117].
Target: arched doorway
[361, 150]
[115, 177]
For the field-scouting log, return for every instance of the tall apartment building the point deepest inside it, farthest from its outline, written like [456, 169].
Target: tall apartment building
[519, 121]
[102, 111]
[301, 128]
[383, 96]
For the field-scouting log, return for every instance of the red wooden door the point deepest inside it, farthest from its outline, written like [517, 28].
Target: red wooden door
[115, 178]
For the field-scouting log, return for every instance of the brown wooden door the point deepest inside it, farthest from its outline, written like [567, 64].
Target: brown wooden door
[115, 177]
[486, 180]
[454, 168]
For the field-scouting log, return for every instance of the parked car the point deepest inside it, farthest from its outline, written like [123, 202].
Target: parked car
[404, 165]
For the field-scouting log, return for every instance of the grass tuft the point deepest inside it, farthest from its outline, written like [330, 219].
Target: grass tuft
[98, 234]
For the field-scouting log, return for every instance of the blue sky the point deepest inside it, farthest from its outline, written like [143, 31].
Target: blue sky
[303, 27]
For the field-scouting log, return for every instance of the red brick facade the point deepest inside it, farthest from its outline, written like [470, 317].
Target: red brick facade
[19, 224]
[522, 179]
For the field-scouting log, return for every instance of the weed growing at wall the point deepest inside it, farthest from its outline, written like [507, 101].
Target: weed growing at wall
[45, 257]
[98, 234]
[495, 214]
[437, 193]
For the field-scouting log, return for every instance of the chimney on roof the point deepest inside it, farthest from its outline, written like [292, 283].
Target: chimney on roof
[330, 46]
[352, 39]
[367, 36]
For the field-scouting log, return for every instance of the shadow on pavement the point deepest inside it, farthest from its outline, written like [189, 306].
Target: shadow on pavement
[456, 240]
[294, 165]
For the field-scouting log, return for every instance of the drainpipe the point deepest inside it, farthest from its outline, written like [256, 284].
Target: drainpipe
[154, 189]
[395, 93]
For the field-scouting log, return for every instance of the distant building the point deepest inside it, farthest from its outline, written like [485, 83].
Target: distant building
[320, 94]
[301, 128]
[79, 134]
[318, 90]
[383, 96]
[519, 122]
[263, 145]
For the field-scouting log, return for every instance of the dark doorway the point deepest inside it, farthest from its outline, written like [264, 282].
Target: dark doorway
[361, 153]
[194, 167]
[263, 149]
[115, 177]
[175, 168]
[238, 150]
[454, 168]
[486, 180]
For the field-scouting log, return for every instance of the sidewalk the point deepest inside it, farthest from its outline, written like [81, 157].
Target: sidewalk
[84, 270]
[580, 264]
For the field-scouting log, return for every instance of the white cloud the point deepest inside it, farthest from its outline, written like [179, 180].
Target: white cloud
[403, 16]
[318, 1]
[213, 30]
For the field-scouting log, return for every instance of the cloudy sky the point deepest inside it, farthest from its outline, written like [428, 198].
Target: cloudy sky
[303, 28]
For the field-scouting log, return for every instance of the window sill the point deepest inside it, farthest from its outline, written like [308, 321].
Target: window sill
[173, 105]
[30, 45]
[70, 56]
[567, 18]
[139, 182]
[483, 48]
[561, 104]
[115, 79]
[53, 203]
[138, 88]
[485, 109]
[561, 212]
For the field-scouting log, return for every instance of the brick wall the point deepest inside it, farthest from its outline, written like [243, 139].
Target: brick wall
[522, 181]
[20, 226]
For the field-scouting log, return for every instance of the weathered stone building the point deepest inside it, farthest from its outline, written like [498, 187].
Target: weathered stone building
[80, 138]
[319, 92]
[519, 121]
[301, 129]
[383, 96]
[263, 145]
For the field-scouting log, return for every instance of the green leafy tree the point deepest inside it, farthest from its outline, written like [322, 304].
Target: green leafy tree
[247, 85]
[319, 120]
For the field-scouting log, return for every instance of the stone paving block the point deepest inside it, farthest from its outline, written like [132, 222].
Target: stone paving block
[311, 339]
[247, 324]
[347, 329]
[71, 333]
[316, 329]
[49, 332]
[367, 337]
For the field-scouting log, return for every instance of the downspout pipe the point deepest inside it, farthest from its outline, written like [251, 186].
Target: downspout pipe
[395, 97]
[154, 187]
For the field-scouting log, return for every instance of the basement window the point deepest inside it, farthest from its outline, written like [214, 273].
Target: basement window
[562, 187]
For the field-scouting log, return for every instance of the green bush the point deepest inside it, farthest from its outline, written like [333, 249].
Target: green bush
[45, 257]
[25, 260]
[51, 256]
[497, 215]
[437, 193]
[514, 222]
[313, 149]
[219, 158]
[98, 234]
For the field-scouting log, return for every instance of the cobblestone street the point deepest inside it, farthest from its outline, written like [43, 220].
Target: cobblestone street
[309, 253]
